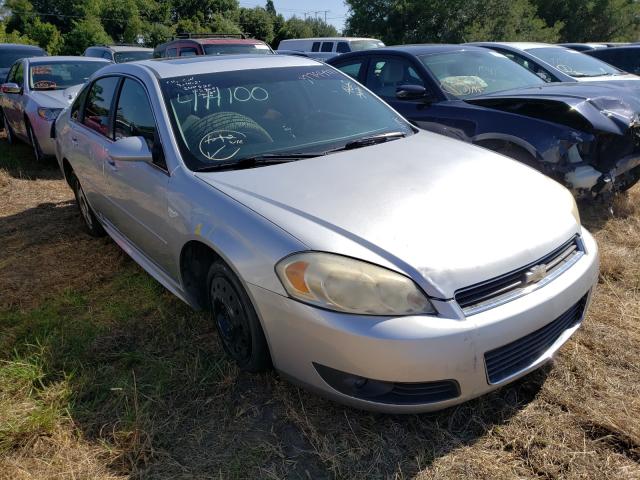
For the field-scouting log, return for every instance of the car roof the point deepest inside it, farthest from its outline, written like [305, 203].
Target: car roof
[221, 41]
[418, 49]
[333, 39]
[69, 58]
[176, 67]
[519, 45]
[20, 46]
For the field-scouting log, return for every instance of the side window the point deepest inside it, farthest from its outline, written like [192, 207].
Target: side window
[526, 63]
[327, 46]
[343, 47]
[172, 52]
[77, 104]
[18, 76]
[106, 54]
[97, 108]
[353, 69]
[158, 53]
[385, 75]
[134, 118]
[188, 52]
[315, 47]
[12, 74]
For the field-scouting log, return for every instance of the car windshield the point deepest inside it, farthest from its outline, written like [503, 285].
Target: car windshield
[9, 56]
[357, 45]
[61, 75]
[574, 64]
[132, 56]
[465, 74]
[236, 48]
[232, 116]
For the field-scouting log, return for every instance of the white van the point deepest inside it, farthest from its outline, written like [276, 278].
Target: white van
[329, 46]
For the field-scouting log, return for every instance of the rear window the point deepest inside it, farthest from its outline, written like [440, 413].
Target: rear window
[8, 55]
[132, 56]
[237, 48]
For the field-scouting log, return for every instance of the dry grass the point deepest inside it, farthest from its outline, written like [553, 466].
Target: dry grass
[105, 375]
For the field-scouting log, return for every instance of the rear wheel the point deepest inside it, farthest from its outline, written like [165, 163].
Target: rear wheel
[631, 178]
[236, 320]
[90, 221]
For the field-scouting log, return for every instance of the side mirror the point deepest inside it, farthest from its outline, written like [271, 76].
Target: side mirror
[412, 92]
[131, 149]
[11, 88]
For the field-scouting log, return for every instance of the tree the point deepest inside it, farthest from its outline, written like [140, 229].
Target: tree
[85, 33]
[270, 8]
[593, 20]
[320, 28]
[47, 36]
[257, 22]
[293, 28]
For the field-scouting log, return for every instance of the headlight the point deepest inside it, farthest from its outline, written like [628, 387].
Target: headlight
[49, 114]
[352, 286]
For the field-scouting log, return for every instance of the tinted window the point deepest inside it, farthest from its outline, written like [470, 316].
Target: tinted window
[18, 76]
[188, 52]
[352, 69]
[77, 104]
[327, 46]
[239, 48]
[9, 55]
[134, 117]
[628, 59]
[158, 53]
[98, 105]
[315, 47]
[528, 64]
[343, 47]
[107, 55]
[172, 52]
[132, 56]
[388, 74]
[223, 117]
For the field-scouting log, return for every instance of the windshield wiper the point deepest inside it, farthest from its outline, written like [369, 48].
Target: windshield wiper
[256, 161]
[372, 140]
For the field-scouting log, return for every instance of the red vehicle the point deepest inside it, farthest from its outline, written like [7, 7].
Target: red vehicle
[192, 44]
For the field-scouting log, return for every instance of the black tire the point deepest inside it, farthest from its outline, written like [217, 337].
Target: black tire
[91, 223]
[33, 140]
[633, 177]
[225, 121]
[11, 138]
[236, 320]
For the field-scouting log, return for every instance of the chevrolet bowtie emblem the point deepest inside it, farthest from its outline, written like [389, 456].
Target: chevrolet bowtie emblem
[535, 274]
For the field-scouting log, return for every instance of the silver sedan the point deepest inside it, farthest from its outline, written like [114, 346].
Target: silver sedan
[37, 89]
[382, 266]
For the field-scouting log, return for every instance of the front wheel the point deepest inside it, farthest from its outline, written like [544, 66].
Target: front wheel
[236, 320]
[90, 221]
[7, 128]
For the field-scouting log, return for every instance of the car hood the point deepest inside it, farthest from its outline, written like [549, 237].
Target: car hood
[444, 212]
[55, 98]
[611, 107]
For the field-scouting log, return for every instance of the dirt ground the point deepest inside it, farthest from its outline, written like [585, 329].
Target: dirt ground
[103, 374]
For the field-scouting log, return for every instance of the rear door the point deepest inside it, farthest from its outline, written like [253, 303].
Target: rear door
[137, 191]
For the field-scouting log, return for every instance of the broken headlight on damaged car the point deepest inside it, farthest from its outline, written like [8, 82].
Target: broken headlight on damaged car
[348, 285]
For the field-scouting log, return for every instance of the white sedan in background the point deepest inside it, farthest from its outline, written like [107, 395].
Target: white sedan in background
[37, 89]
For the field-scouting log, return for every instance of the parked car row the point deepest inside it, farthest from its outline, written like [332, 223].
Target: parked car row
[326, 211]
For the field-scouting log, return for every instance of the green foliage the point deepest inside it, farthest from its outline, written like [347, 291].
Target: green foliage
[593, 20]
[257, 22]
[47, 36]
[85, 33]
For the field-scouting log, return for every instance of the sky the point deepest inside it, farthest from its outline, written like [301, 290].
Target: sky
[336, 15]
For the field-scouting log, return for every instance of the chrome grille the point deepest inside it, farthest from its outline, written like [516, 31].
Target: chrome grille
[502, 289]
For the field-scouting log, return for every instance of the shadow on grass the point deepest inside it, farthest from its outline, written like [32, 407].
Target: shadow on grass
[145, 376]
[18, 161]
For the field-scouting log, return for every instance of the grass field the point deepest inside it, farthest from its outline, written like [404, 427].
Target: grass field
[104, 374]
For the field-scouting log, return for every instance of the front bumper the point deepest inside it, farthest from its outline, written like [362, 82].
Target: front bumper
[416, 349]
[588, 181]
[42, 131]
